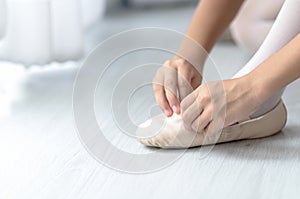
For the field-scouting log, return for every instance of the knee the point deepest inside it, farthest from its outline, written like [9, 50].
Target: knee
[243, 30]
[253, 23]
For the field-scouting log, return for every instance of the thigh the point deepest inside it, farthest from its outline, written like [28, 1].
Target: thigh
[253, 23]
[257, 10]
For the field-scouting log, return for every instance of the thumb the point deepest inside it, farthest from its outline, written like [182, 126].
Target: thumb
[184, 82]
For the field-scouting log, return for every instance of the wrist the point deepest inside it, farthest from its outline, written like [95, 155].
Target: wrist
[193, 52]
[258, 86]
[250, 91]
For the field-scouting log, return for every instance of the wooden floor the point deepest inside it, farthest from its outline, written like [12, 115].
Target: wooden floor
[42, 156]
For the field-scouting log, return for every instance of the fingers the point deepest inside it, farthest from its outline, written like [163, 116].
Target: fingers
[184, 82]
[188, 101]
[215, 127]
[191, 114]
[159, 93]
[170, 84]
[174, 82]
[202, 121]
[196, 80]
[162, 100]
[197, 109]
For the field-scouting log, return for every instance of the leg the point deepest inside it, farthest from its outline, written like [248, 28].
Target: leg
[285, 28]
[253, 22]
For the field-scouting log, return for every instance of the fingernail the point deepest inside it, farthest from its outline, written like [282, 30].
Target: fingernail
[168, 112]
[175, 109]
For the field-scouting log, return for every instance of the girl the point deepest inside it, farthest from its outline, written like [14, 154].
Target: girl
[246, 106]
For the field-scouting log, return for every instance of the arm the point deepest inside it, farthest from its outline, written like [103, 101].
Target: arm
[178, 75]
[210, 20]
[242, 96]
[277, 71]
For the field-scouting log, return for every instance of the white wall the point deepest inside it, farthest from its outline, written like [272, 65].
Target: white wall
[2, 18]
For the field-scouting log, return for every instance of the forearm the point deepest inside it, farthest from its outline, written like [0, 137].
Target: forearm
[210, 20]
[277, 71]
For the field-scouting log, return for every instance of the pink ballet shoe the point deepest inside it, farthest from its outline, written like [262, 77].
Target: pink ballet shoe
[171, 132]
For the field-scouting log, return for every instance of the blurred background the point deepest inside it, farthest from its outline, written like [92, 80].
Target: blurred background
[38, 32]
[40, 39]
[43, 42]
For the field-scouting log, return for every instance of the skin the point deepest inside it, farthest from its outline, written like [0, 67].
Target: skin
[237, 98]
[243, 95]
[165, 85]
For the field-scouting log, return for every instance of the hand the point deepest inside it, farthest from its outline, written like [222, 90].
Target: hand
[173, 82]
[215, 105]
